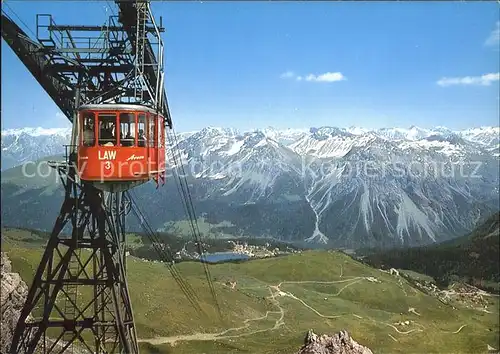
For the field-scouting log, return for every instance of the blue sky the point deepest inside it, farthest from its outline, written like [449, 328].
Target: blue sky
[300, 64]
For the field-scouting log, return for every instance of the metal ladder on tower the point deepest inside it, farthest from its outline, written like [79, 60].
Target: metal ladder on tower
[71, 298]
[140, 44]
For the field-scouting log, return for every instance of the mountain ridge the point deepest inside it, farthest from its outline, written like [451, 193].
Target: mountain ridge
[346, 187]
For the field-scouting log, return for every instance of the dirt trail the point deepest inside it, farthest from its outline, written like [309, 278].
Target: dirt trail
[275, 293]
[223, 334]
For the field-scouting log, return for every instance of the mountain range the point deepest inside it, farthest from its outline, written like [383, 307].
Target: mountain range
[343, 187]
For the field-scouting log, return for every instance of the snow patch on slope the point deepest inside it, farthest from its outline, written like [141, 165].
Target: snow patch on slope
[410, 215]
[443, 147]
[317, 235]
[366, 208]
[235, 148]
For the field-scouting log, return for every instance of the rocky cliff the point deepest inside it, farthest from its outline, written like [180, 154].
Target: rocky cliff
[340, 343]
[13, 295]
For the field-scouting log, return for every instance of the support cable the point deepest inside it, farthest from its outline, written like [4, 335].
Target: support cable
[165, 255]
[17, 16]
[191, 213]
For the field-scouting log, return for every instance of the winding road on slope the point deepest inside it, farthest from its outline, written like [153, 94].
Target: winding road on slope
[275, 293]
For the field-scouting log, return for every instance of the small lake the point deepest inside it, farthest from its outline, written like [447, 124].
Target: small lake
[223, 256]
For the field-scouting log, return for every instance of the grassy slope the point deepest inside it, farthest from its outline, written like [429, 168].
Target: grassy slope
[162, 311]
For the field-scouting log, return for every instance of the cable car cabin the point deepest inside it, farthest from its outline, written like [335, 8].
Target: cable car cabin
[120, 145]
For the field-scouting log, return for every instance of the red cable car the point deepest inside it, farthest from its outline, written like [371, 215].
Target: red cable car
[120, 145]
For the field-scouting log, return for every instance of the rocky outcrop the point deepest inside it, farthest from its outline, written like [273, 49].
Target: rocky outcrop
[13, 294]
[340, 343]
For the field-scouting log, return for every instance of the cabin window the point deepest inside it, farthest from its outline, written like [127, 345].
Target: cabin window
[152, 126]
[88, 125]
[160, 132]
[107, 129]
[127, 129]
[141, 130]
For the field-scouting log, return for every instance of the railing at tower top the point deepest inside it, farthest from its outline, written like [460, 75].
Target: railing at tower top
[70, 39]
[102, 63]
[45, 36]
[118, 62]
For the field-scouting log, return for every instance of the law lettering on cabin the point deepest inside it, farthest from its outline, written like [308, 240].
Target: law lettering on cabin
[107, 155]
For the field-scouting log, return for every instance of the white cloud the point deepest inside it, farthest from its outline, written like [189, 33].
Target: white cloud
[326, 77]
[484, 80]
[287, 75]
[494, 37]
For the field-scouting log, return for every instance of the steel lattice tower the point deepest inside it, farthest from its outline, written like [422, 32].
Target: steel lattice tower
[79, 298]
[79, 301]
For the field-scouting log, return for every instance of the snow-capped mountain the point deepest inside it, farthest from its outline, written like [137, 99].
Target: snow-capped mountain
[31, 144]
[330, 142]
[284, 136]
[350, 187]
[487, 136]
[413, 133]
